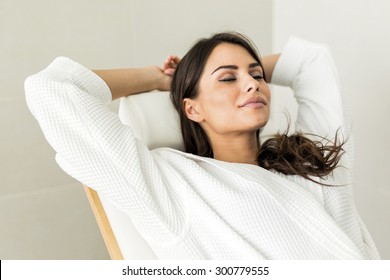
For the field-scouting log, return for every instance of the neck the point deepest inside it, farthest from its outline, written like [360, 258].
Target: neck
[240, 149]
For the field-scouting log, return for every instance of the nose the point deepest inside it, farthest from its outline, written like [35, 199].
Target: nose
[252, 85]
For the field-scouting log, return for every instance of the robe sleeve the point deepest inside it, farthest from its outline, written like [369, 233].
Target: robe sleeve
[309, 70]
[94, 147]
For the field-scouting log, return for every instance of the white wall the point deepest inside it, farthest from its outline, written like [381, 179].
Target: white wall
[357, 32]
[172, 26]
[43, 212]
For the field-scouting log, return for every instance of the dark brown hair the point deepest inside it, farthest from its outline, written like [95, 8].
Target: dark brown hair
[291, 155]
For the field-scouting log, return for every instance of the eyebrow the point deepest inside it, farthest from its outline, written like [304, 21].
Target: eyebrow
[235, 67]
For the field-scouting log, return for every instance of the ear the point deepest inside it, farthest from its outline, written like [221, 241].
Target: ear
[191, 110]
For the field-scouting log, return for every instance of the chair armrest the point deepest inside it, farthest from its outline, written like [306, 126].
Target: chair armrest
[104, 224]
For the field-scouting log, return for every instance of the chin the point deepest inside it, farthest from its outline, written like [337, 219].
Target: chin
[261, 123]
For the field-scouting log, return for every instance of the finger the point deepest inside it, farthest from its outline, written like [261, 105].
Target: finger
[169, 72]
[176, 59]
[171, 62]
[166, 63]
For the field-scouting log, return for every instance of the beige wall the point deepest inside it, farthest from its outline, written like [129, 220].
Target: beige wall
[358, 36]
[43, 212]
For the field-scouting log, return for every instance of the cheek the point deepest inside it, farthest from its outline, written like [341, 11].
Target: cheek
[217, 102]
[217, 109]
[218, 113]
[266, 91]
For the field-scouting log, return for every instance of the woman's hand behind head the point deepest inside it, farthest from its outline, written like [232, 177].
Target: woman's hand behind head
[170, 64]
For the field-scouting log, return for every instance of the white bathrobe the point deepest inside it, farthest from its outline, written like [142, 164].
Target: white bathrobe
[190, 207]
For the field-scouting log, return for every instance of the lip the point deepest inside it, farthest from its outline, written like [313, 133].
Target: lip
[254, 102]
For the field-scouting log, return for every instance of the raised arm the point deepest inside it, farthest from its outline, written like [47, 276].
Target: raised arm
[93, 146]
[308, 69]
[124, 82]
[269, 63]
[128, 81]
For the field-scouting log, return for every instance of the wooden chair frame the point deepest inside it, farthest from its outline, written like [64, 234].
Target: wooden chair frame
[104, 224]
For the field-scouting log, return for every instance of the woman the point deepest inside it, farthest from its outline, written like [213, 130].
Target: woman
[227, 196]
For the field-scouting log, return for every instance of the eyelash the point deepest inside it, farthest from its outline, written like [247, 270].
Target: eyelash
[257, 77]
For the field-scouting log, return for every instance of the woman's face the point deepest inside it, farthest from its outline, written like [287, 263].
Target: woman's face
[233, 95]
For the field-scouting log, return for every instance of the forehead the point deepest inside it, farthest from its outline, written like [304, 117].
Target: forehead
[229, 54]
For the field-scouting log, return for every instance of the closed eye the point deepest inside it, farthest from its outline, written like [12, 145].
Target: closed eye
[231, 79]
[258, 77]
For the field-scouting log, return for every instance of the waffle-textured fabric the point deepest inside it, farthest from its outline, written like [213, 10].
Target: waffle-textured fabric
[191, 207]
